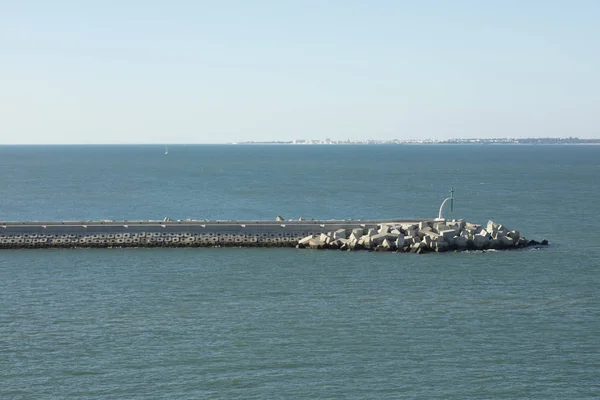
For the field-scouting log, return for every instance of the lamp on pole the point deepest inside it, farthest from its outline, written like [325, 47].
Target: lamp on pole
[451, 198]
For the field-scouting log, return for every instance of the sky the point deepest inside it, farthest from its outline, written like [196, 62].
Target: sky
[185, 71]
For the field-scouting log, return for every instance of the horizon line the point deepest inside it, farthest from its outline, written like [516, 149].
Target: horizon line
[314, 142]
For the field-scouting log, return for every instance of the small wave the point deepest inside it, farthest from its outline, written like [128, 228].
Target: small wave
[79, 373]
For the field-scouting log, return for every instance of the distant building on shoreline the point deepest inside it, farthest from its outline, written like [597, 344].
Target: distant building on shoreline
[569, 140]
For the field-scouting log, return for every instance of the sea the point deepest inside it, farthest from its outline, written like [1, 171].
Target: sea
[240, 323]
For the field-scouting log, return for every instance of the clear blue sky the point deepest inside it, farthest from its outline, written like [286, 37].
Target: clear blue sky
[184, 71]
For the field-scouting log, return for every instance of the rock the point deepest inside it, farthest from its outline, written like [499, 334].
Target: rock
[431, 239]
[380, 237]
[304, 241]
[460, 242]
[429, 242]
[409, 227]
[475, 228]
[484, 233]
[424, 224]
[409, 240]
[353, 246]
[448, 235]
[515, 235]
[481, 242]
[337, 243]
[544, 242]
[354, 236]
[521, 242]
[339, 234]
[473, 232]
[358, 232]
[432, 235]
[385, 246]
[412, 232]
[383, 228]
[372, 232]
[498, 234]
[279, 218]
[316, 244]
[387, 243]
[365, 241]
[399, 241]
[492, 226]
[396, 232]
[352, 242]
[440, 226]
[441, 247]
[422, 232]
[458, 226]
[417, 247]
[495, 244]
[325, 238]
[507, 241]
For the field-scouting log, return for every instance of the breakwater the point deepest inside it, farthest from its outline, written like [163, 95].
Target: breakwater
[426, 236]
[168, 233]
[415, 235]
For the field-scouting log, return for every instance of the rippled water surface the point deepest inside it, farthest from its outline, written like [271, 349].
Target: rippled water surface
[286, 323]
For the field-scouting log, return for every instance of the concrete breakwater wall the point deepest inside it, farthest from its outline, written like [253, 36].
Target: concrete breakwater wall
[425, 236]
[188, 233]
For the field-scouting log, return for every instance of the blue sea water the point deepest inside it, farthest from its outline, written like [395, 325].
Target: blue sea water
[287, 323]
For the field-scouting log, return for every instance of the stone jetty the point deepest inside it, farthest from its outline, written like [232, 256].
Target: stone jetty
[416, 235]
[171, 233]
[422, 237]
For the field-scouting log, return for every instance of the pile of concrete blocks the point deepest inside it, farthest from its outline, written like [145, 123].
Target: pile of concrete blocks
[427, 236]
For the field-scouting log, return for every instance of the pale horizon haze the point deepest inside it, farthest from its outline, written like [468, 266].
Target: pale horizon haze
[183, 71]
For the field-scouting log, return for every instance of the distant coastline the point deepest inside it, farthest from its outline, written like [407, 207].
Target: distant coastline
[528, 141]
